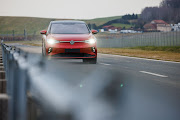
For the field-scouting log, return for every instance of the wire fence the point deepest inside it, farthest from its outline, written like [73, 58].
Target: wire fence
[143, 39]
[19, 37]
[117, 40]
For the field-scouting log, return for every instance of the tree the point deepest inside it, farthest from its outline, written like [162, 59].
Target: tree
[89, 25]
[174, 8]
[168, 11]
[170, 3]
[93, 26]
[129, 17]
[136, 17]
[133, 16]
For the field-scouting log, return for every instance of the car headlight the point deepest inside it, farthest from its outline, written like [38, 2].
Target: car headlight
[52, 41]
[90, 41]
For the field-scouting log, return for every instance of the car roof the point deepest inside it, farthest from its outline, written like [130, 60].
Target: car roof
[67, 21]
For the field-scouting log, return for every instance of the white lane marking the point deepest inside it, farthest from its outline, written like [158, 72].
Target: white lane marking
[153, 74]
[104, 64]
[140, 58]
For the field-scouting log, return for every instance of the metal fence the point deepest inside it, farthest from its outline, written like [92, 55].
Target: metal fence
[42, 89]
[118, 40]
[144, 39]
[19, 37]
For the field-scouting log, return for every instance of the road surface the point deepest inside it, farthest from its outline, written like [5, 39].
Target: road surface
[151, 88]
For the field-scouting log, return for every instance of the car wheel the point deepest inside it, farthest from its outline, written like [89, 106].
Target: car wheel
[90, 60]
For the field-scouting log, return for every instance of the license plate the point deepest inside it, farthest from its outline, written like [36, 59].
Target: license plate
[72, 50]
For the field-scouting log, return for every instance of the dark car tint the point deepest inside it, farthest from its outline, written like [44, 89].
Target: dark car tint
[69, 28]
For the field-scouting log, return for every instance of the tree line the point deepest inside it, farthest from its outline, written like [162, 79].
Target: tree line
[168, 10]
[130, 17]
[123, 20]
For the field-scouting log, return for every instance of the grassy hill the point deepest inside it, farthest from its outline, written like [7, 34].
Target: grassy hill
[18, 24]
[122, 25]
[100, 21]
[33, 24]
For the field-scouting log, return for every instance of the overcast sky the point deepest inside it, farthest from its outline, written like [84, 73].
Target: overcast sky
[78, 9]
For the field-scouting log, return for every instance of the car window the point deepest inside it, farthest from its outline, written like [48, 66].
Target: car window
[69, 28]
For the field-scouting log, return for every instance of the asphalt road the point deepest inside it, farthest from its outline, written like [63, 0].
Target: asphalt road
[151, 88]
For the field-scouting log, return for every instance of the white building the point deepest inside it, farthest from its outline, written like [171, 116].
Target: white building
[175, 27]
[113, 31]
[164, 27]
[128, 31]
[101, 30]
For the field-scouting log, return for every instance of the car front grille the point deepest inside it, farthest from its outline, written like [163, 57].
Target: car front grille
[73, 55]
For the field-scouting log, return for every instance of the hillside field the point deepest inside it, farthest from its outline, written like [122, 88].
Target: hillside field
[18, 24]
[122, 25]
[34, 25]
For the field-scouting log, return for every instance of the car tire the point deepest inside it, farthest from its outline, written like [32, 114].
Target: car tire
[90, 60]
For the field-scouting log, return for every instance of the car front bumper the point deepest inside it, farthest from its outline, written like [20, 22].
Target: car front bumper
[66, 50]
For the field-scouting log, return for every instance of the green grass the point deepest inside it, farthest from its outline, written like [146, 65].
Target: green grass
[34, 24]
[158, 53]
[101, 21]
[122, 25]
[175, 49]
[18, 24]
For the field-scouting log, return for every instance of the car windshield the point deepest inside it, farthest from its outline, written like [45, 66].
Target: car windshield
[69, 28]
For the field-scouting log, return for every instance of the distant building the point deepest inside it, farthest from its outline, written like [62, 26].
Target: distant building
[101, 30]
[175, 27]
[164, 27]
[119, 28]
[130, 31]
[113, 31]
[158, 25]
[107, 28]
[150, 27]
[158, 22]
[111, 28]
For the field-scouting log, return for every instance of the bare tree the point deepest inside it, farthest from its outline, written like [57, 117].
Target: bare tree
[169, 11]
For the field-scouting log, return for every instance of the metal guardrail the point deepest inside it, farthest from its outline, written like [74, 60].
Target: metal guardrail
[51, 88]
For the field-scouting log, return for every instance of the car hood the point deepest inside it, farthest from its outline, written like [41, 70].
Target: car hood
[68, 37]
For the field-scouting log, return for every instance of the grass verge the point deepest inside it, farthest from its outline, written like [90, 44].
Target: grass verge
[158, 53]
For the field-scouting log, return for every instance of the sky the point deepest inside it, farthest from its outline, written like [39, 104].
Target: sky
[75, 9]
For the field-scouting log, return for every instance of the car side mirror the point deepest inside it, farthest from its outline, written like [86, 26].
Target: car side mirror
[94, 31]
[43, 32]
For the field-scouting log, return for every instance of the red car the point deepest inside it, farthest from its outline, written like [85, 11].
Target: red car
[70, 39]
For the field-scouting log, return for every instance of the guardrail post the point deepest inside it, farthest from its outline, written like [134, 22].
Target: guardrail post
[11, 91]
[21, 95]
